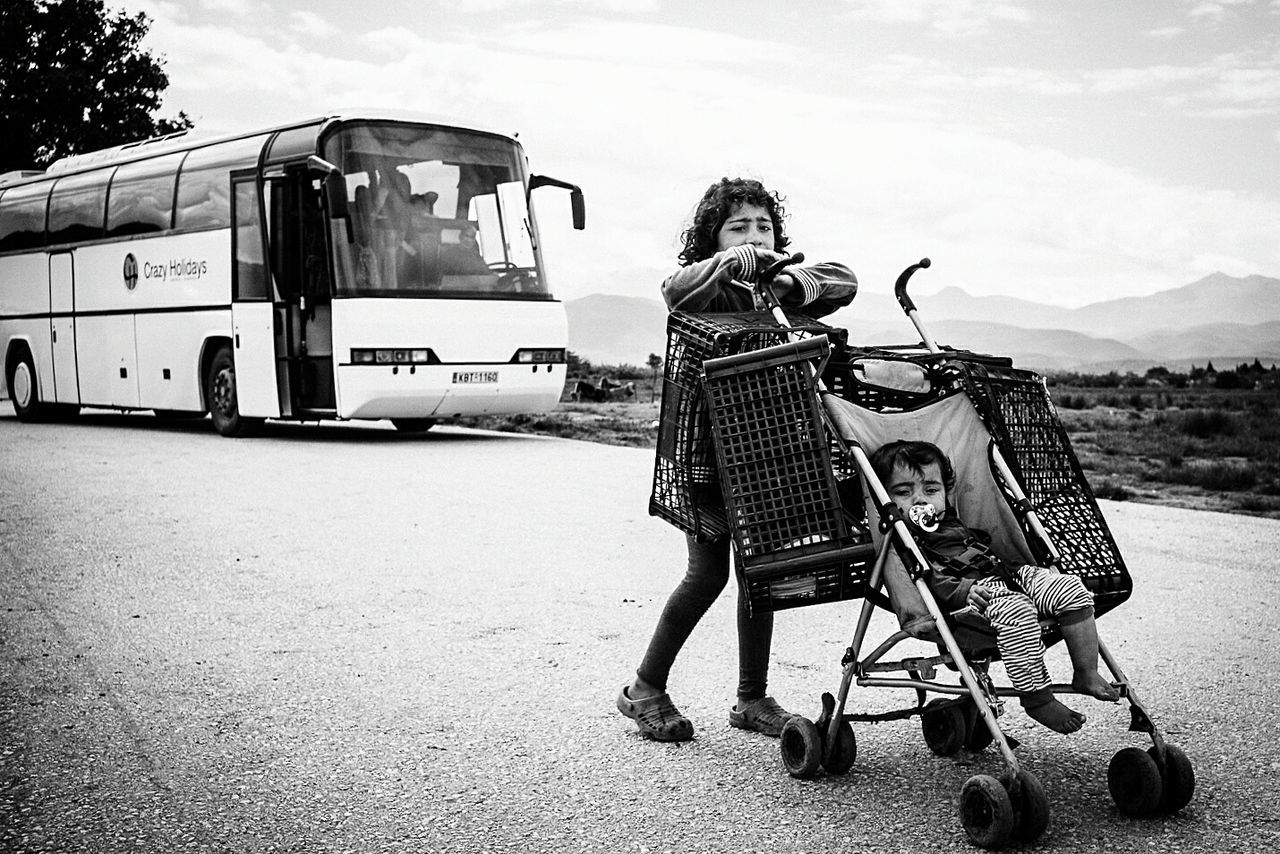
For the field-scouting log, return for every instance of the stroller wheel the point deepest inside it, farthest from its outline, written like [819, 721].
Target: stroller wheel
[944, 726]
[1134, 780]
[845, 751]
[1178, 778]
[1030, 807]
[801, 746]
[986, 811]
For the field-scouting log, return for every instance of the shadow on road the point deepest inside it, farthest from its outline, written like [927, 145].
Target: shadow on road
[373, 432]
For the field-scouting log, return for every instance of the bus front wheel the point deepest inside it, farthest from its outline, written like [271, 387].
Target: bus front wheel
[24, 392]
[22, 389]
[220, 392]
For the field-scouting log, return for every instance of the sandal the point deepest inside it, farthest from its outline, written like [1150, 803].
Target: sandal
[763, 716]
[656, 716]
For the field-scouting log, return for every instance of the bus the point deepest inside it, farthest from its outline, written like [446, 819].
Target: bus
[344, 267]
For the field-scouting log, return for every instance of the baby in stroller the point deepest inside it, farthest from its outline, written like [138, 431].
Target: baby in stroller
[964, 573]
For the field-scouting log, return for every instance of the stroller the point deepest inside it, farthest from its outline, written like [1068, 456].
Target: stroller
[792, 422]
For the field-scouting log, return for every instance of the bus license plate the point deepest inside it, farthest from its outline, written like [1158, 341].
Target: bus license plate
[475, 376]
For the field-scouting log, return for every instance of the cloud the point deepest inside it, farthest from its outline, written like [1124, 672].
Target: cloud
[484, 6]
[643, 120]
[946, 17]
[682, 50]
[935, 75]
[311, 25]
[1243, 84]
[162, 10]
[1147, 78]
[998, 217]
[1257, 84]
[1216, 9]
[394, 41]
[238, 8]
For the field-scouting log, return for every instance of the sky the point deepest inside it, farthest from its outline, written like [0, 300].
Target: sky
[1063, 151]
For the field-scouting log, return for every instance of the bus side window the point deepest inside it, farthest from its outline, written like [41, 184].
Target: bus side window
[251, 272]
[202, 199]
[22, 213]
[141, 198]
[202, 184]
[78, 207]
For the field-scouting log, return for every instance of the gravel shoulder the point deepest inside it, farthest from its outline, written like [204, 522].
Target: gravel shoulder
[180, 671]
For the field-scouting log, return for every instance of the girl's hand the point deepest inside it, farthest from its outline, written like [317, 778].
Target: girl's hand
[766, 257]
[979, 597]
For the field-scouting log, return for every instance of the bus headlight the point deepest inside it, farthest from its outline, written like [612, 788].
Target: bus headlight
[536, 356]
[393, 356]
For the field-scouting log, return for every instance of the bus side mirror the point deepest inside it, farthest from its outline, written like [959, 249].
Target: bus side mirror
[335, 186]
[579, 205]
[576, 200]
[335, 190]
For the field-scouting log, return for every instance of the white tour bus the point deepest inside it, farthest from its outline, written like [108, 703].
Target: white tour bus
[348, 267]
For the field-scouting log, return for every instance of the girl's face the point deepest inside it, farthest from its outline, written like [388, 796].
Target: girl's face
[908, 487]
[747, 224]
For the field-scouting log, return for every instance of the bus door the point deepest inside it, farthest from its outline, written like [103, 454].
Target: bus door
[252, 310]
[299, 262]
[62, 327]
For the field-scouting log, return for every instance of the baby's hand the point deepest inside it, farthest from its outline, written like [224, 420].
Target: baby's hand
[979, 597]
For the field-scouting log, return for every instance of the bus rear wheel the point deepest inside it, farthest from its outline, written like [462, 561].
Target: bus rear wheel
[220, 392]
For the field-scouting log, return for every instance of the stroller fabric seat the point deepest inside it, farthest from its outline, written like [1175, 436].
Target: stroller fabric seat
[953, 425]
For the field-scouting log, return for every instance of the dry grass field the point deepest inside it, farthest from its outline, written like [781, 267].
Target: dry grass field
[1200, 449]
[1204, 449]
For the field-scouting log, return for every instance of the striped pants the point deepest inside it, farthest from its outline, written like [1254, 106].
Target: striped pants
[1015, 617]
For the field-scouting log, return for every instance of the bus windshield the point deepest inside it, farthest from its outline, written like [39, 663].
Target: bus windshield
[434, 212]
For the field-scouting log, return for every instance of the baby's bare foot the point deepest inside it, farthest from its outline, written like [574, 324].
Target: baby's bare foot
[1057, 717]
[1092, 684]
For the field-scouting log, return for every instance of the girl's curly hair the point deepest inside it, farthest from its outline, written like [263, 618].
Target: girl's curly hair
[718, 202]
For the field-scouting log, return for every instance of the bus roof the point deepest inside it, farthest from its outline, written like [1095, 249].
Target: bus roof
[187, 139]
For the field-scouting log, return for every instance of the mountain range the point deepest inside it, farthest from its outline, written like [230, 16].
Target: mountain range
[1219, 318]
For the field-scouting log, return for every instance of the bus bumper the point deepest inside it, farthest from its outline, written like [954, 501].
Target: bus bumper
[444, 391]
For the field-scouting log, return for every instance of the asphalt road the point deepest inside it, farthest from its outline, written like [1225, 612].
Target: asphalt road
[344, 639]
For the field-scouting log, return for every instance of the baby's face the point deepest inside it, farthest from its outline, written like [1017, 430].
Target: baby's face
[908, 487]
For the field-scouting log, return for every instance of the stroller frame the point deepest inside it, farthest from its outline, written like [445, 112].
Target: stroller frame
[993, 811]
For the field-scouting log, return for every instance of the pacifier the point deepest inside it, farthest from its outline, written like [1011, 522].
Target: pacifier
[924, 517]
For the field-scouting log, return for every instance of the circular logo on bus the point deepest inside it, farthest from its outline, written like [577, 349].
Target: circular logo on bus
[130, 271]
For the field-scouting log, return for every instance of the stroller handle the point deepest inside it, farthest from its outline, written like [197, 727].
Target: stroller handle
[768, 273]
[764, 285]
[900, 291]
[900, 287]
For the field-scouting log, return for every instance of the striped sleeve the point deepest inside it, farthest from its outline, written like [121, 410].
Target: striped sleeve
[808, 282]
[746, 258]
